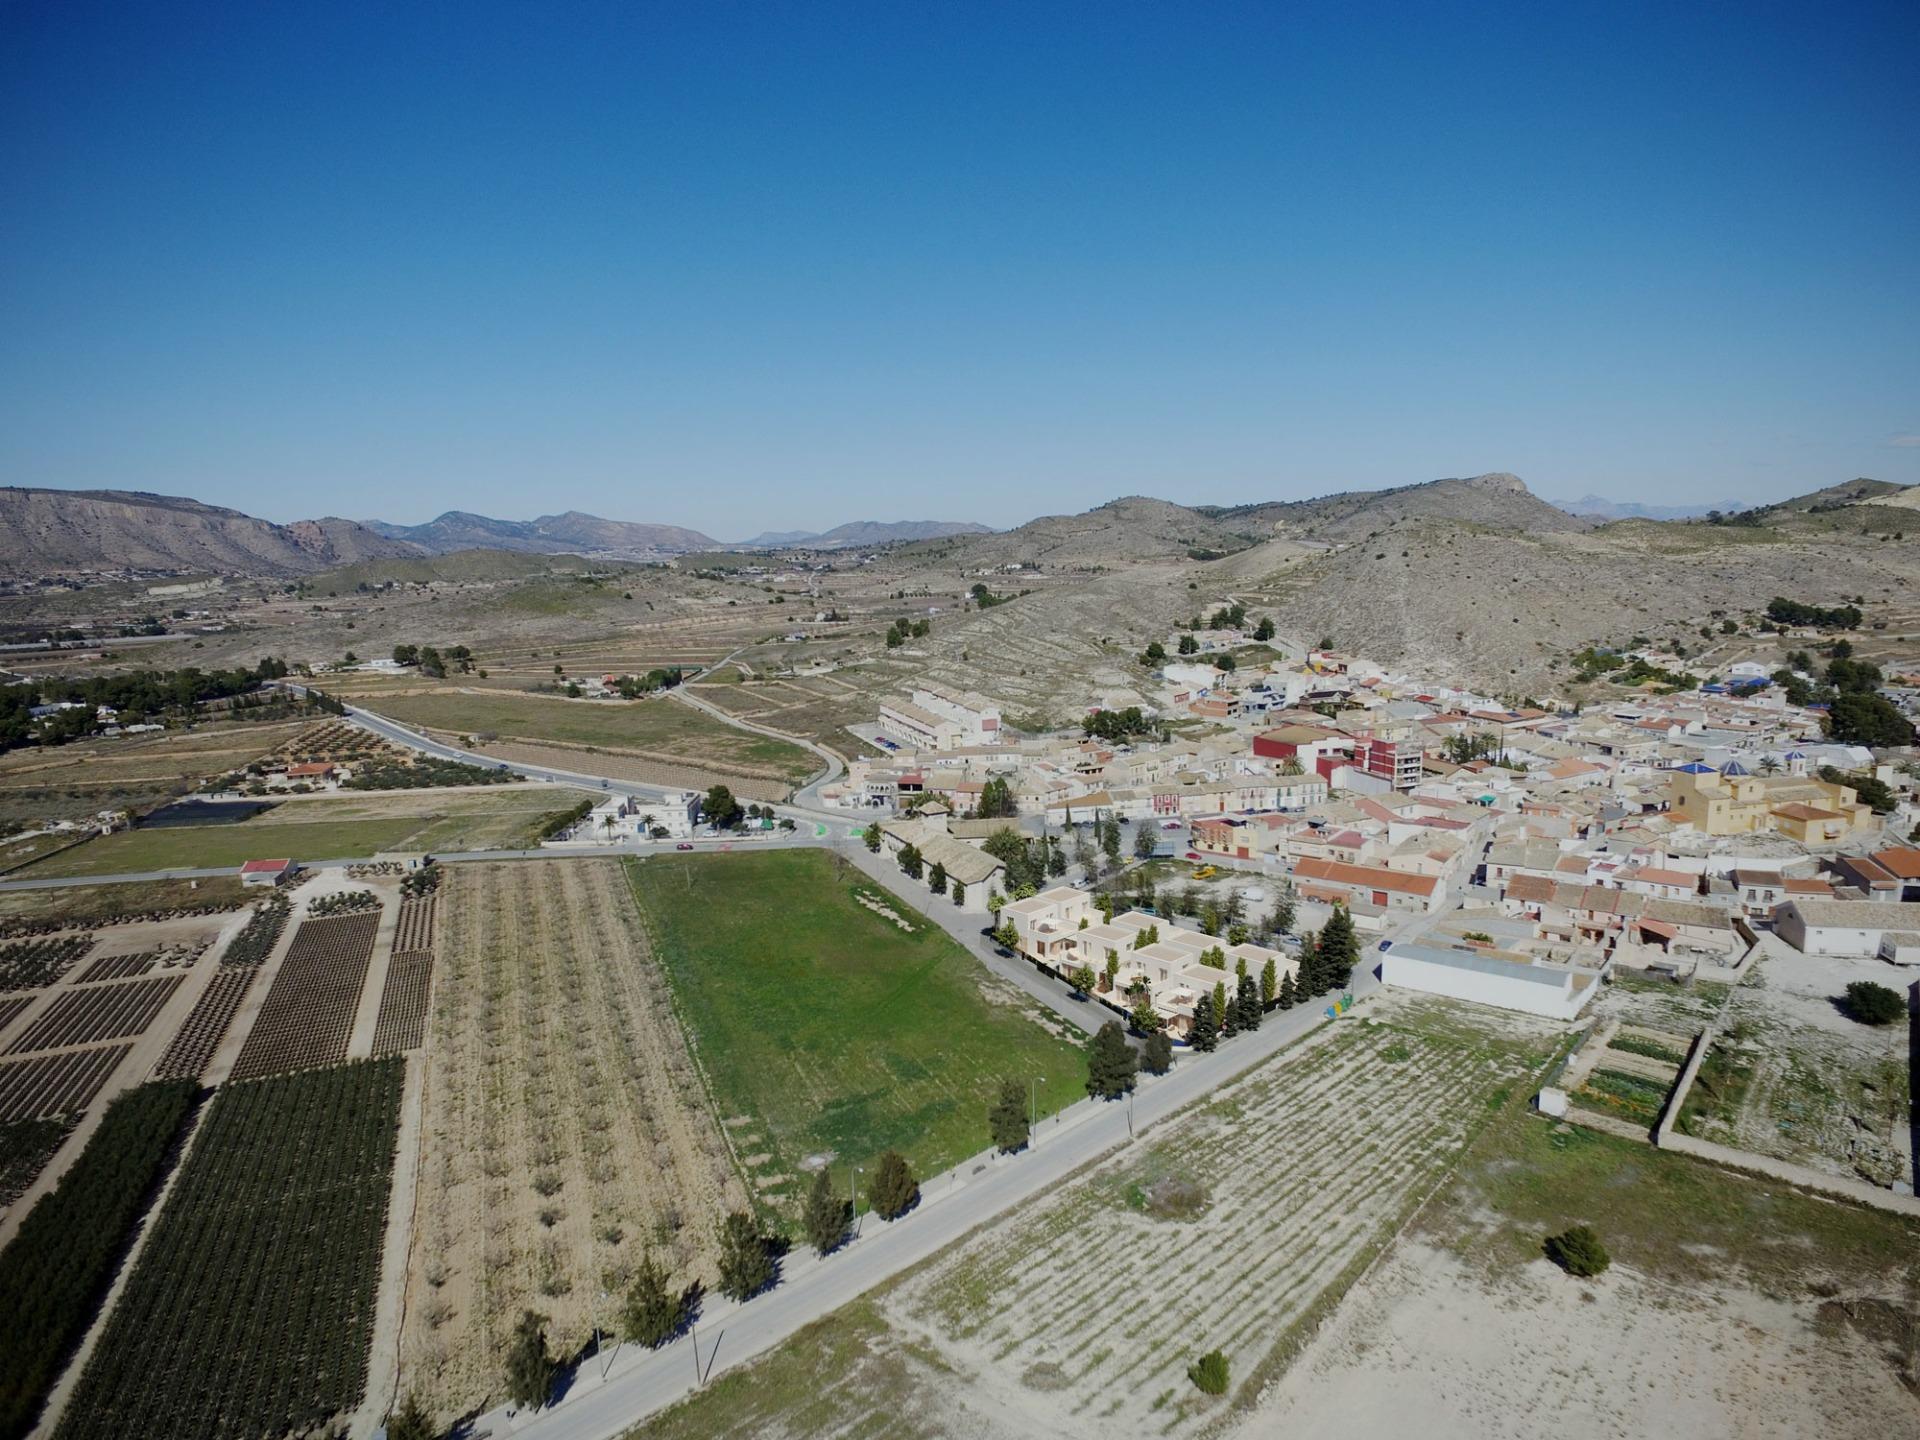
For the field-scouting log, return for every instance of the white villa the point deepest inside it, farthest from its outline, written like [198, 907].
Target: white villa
[1062, 929]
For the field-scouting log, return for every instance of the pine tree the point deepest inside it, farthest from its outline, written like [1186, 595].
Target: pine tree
[1111, 1063]
[893, 1190]
[1282, 922]
[1205, 1034]
[1246, 1005]
[1289, 992]
[872, 836]
[937, 879]
[959, 892]
[827, 1216]
[1157, 1057]
[529, 1365]
[746, 1267]
[652, 1313]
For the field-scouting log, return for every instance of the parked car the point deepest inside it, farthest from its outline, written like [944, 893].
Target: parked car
[1171, 825]
[684, 845]
[1193, 854]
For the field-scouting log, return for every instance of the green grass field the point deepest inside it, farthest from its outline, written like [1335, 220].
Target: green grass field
[829, 1026]
[356, 825]
[659, 724]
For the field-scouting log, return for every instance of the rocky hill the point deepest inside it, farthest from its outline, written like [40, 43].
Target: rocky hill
[1127, 531]
[1499, 500]
[573, 532]
[859, 534]
[54, 531]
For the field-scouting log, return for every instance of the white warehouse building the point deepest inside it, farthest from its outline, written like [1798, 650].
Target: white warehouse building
[1555, 991]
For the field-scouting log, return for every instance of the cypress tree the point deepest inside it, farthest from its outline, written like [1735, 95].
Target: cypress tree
[1007, 1118]
[653, 1311]
[1269, 982]
[827, 1215]
[529, 1364]
[894, 1191]
[745, 1266]
[1221, 1014]
[1339, 949]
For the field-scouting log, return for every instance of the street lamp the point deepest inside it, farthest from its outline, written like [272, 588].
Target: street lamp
[1033, 1108]
[616, 1345]
[852, 1202]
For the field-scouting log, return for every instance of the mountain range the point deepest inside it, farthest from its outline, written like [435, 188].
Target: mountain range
[46, 531]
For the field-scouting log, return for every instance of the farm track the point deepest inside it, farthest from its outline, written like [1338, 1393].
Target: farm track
[565, 1129]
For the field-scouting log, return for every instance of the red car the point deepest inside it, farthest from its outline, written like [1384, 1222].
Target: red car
[1193, 854]
[684, 845]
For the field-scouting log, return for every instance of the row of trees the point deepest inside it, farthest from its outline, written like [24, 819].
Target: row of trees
[655, 1310]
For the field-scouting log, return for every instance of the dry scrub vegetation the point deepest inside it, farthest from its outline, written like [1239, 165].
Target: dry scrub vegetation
[565, 1129]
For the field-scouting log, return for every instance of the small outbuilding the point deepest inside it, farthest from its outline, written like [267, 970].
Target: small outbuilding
[266, 873]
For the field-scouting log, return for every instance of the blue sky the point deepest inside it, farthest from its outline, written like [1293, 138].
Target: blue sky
[749, 267]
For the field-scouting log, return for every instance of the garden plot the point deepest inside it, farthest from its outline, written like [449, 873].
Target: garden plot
[1634, 1074]
[56, 1084]
[1228, 1230]
[1791, 1076]
[565, 1129]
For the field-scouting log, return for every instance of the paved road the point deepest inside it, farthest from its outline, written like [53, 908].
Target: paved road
[641, 1382]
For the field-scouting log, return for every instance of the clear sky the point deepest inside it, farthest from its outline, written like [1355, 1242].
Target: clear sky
[749, 267]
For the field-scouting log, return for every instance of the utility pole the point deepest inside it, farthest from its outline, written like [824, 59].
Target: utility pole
[853, 1202]
[1033, 1108]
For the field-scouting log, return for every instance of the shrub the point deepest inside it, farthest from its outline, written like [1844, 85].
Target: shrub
[1874, 1004]
[1209, 1373]
[1578, 1251]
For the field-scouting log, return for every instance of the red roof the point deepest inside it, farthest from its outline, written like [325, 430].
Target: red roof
[264, 867]
[1369, 875]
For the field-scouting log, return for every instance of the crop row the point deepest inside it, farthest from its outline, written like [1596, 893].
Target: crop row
[403, 1004]
[256, 940]
[106, 1012]
[34, 964]
[205, 1027]
[12, 1005]
[415, 931]
[119, 967]
[307, 1019]
[58, 1267]
[251, 1310]
[55, 1084]
[343, 902]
